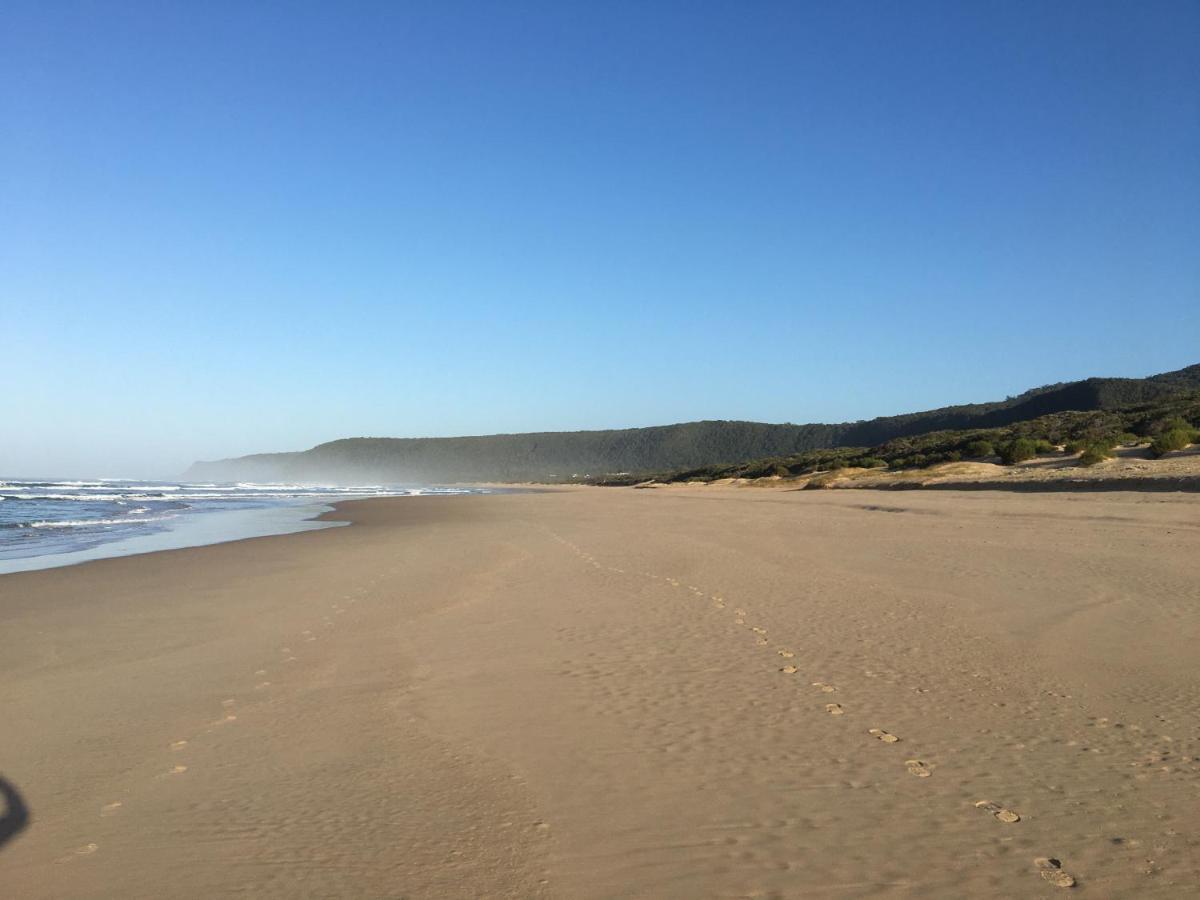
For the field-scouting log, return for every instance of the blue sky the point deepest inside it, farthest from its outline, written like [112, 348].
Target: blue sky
[230, 227]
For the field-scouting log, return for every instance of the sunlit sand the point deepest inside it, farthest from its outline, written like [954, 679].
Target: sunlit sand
[536, 695]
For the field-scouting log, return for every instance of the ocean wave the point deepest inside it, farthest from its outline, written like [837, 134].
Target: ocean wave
[17, 493]
[84, 523]
[94, 498]
[50, 484]
[99, 489]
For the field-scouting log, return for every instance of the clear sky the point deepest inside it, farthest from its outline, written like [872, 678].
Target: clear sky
[231, 227]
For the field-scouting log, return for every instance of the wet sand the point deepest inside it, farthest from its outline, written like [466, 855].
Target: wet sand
[620, 693]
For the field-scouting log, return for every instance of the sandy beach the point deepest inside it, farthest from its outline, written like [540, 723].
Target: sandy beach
[594, 693]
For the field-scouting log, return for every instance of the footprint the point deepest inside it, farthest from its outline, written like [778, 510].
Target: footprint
[739, 621]
[786, 654]
[758, 630]
[789, 670]
[110, 809]
[177, 770]
[1051, 871]
[761, 641]
[834, 709]
[1004, 815]
[285, 649]
[827, 688]
[884, 736]
[262, 685]
[178, 745]
[261, 672]
[228, 703]
[918, 768]
[738, 611]
[85, 850]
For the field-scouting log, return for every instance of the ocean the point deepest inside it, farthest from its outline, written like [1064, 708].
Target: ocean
[53, 523]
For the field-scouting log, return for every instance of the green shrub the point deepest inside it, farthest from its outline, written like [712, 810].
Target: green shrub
[1076, 446]
[915, 461]
[1175, 439]
[1092, 455]
[1041, 445]
[1017, 451]
[1129, 439]
[979, 449]
[870, 462]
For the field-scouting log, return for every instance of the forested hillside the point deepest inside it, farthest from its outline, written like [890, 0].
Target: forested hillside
[552, 456]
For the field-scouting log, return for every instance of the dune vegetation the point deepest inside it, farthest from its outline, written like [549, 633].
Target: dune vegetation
[1167, 426]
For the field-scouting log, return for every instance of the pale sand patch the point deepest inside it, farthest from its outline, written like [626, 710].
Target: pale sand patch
[1039, 648]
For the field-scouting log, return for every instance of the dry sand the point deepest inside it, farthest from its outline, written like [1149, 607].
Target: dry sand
[619, 693]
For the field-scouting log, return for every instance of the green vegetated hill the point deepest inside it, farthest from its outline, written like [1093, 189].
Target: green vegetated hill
[713, 445]
[1168, 424]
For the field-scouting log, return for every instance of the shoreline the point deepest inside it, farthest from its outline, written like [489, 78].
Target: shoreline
[205, 528]
[313, 517]
[201, 530]
[584, 693]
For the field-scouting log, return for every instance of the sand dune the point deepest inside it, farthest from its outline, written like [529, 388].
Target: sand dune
[618, 693]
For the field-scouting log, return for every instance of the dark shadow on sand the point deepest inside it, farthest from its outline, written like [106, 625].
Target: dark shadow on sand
[16, 813]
